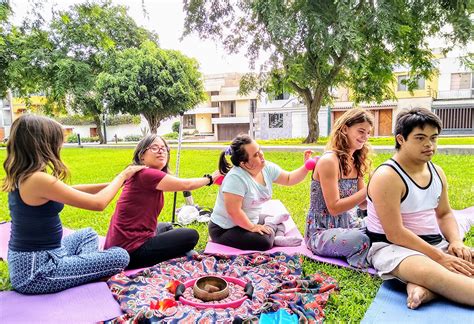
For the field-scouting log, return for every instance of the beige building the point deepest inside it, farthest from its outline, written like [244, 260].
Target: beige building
[225, 113]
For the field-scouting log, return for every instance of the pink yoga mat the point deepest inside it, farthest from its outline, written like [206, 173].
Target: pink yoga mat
[88, 303]
[291, 230]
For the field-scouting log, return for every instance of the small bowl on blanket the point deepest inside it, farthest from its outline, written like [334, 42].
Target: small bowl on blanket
[210, 288]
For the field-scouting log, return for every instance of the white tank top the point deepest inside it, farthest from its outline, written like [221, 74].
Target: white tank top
[417, 206]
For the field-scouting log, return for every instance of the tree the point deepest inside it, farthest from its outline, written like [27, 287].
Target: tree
[4, 57]
[154, 82]
[18, 49]
[318, 45]
[82, 39]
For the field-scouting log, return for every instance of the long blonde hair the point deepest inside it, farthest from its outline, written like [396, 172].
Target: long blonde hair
[34, 145]
[339, 143]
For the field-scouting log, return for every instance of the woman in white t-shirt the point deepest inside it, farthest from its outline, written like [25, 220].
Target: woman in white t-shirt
[236, 220]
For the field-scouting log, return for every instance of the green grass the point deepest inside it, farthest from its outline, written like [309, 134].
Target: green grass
[357, 289]
[373, 140]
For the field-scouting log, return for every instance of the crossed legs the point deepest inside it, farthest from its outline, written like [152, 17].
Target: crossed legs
[426, 278]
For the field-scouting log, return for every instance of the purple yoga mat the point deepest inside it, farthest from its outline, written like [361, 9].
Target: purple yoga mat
[291, 230]
[89, 303]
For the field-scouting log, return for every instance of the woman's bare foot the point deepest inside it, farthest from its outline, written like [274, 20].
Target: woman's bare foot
[418, 295]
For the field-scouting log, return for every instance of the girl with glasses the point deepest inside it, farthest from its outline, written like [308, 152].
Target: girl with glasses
[134, 225]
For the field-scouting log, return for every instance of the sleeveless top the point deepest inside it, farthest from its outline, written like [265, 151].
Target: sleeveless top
[319, 216]
[34, 228]
[417, 206]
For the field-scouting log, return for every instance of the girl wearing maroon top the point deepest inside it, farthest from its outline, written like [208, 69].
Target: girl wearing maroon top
[134, 225]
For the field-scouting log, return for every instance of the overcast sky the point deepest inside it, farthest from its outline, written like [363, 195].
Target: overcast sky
[166, 18]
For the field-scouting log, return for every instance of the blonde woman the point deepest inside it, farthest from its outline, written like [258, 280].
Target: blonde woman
[337, 188]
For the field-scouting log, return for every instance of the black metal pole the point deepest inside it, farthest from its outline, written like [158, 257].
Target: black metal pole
[178, 155]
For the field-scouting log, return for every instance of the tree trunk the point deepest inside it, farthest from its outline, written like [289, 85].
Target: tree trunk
[313, 106]
[154, 122]
[98, 124]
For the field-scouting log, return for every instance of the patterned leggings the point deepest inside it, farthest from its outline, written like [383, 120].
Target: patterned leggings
[76, 262]
[350, 243]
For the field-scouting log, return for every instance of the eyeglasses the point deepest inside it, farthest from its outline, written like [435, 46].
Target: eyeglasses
[157, 149]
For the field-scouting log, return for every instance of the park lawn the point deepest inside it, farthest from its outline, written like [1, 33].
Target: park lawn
[357, 290]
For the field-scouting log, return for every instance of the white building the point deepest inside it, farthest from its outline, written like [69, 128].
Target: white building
[286, 117]
[455, 101]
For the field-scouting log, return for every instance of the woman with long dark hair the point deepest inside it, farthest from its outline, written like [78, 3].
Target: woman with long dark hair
[39, 260]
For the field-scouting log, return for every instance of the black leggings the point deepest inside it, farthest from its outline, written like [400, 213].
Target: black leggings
[168, 243]
[240, 238]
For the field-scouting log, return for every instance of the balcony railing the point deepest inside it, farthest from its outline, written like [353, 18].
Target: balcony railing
[227, 115]
[456, 94]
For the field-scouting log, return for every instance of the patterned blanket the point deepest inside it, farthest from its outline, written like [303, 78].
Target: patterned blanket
[277, 279]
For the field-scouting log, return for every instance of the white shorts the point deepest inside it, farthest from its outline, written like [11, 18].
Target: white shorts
[385, 257]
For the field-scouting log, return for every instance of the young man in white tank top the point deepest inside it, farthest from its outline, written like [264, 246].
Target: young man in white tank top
[408, 210]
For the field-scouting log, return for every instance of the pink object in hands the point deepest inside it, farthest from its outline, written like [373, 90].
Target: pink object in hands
[219, 180]
[310, 163]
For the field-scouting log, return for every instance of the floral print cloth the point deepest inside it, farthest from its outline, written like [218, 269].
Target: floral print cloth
[277, 280]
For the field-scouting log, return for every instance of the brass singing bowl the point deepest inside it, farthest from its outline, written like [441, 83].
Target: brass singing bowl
[210, 288]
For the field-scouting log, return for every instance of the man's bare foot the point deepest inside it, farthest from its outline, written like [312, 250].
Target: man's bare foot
[418, 295]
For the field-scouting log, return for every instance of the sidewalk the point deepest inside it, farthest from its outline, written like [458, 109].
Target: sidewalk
[442, 149]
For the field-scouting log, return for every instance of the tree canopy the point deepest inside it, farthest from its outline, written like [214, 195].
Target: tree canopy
[83, 37]
[318, 45]
[64, 57]
[154, 82]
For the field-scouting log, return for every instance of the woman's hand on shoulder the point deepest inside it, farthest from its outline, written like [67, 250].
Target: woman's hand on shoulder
[131, 170]
[215, 175]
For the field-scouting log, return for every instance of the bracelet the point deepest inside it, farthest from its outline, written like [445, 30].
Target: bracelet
[210, 179]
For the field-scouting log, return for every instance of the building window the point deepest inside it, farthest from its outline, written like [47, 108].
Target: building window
[189, 121]
[227, 108]
[215, 104]
[275, 121]
[6, 117]
[402, 86]
[214, 93]
[421, 84]
[462, 81]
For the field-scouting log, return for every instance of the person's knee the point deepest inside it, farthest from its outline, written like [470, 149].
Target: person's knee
[420, 270]
[120, 256]
[189, 237]
[263, 243]
[87, 232]
[358, 239]
[193, 237]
